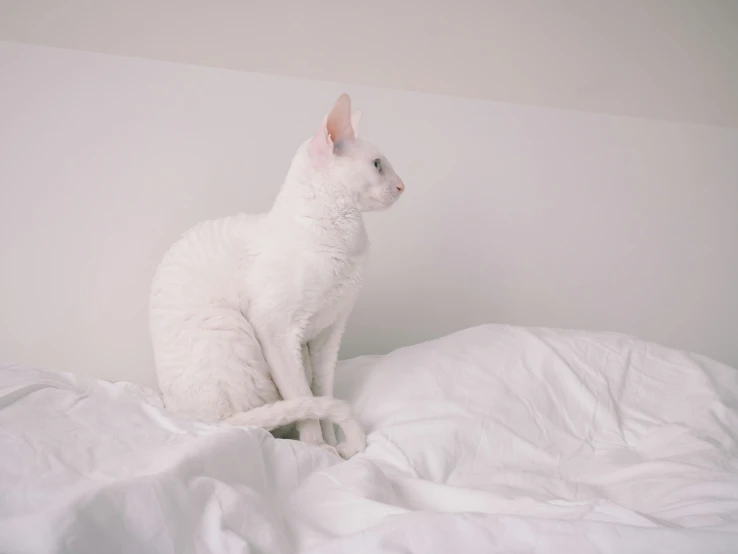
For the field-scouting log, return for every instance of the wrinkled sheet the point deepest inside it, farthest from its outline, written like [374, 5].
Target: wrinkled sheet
[492, 440]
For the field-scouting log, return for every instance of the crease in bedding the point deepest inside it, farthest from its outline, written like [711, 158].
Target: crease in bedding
[496, 439]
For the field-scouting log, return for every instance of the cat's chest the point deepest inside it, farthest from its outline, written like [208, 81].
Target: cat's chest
[330, 291]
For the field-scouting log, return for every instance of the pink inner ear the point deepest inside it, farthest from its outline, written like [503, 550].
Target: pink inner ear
[335, 128]
[338, 121]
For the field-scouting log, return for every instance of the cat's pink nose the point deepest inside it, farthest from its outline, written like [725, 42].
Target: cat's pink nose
[400, 186]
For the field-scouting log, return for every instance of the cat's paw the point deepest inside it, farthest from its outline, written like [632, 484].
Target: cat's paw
[331, 449]
[354, 441]
[348, 448]
[314, 435]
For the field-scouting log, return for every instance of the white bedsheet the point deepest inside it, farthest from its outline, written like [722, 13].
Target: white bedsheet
[495, 439]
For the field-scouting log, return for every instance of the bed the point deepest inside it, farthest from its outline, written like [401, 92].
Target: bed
[495, 439]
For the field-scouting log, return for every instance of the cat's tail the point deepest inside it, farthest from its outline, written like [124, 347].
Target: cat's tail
[285, 412]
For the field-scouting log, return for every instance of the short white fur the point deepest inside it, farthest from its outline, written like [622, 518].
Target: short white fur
[247, 312]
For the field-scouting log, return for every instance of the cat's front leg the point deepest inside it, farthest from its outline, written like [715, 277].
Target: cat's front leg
[284, 354]
[309, 428]
[323, 352]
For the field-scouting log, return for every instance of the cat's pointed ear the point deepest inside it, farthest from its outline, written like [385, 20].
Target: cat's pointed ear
[338, 120]
[355, 119]
[335, 128]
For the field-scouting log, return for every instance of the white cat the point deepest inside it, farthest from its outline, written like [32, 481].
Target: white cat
[247, 312]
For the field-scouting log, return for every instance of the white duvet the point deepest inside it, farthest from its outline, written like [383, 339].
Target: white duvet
[495, 439]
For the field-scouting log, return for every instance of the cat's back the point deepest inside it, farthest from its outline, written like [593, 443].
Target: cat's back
[202, 343]
[200, 266]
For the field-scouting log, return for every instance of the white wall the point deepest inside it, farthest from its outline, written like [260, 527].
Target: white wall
[512, 214]
[661, 59]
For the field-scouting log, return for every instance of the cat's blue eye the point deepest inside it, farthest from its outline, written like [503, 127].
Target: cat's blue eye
[378, 164]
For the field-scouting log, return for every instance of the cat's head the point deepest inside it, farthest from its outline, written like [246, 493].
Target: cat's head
[338, 154]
